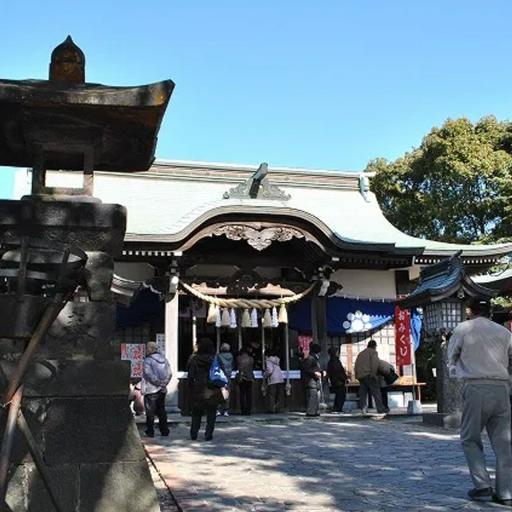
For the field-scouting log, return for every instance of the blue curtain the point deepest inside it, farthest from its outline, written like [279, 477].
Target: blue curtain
[416, 323]
[344, 316]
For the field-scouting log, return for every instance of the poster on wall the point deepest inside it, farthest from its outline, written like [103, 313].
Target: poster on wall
[135, 353]
[304, 342]
[403, 336]
[160, 342]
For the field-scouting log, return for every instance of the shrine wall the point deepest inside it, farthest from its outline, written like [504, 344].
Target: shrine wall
[366, 283]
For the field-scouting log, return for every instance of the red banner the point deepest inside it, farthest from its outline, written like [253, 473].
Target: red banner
[403, 336]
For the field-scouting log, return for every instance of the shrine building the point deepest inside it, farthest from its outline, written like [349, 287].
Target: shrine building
[265, 257]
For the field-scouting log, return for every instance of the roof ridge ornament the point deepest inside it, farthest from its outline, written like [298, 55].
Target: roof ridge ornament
[67, 63]
[257, 187]
[364, 187]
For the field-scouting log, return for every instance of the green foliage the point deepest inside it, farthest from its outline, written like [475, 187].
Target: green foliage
[456, 187]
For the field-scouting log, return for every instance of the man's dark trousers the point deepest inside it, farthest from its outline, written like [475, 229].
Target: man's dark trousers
[154, 403]
[245, 387]
[340, 393]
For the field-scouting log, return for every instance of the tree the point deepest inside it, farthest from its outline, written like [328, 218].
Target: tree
[456, 187]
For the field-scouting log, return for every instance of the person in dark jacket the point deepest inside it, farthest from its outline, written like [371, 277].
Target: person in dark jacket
[337, 379]
[245, 377]
[312, 375]
[204, 399]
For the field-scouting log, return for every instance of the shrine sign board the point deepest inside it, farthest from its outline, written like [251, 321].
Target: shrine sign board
[403, 336]
[135, 353]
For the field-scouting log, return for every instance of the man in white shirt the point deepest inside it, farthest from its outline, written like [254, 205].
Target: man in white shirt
[480, 354]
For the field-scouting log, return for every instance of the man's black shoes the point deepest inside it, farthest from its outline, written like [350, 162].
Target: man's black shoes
[507, 503]
[149, 434]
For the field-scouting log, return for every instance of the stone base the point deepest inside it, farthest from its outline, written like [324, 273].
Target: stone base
[441, 419]
[79, 415]
[414, 407]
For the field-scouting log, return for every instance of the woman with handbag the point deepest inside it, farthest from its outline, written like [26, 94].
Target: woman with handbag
[204, 397]
[275, 382]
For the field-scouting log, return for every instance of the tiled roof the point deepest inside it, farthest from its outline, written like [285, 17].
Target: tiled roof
[444, 280]
[172, 199]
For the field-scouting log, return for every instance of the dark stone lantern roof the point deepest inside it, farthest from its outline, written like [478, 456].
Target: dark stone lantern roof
[63, 122]
[443, 280]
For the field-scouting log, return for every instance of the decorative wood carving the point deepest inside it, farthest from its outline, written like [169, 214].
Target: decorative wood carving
[242, 281]
[258, 239]
[247, 282]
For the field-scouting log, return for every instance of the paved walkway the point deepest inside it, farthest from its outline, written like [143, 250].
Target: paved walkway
[312, 465]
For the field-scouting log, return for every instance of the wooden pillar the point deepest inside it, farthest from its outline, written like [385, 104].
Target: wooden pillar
[171, 350]
[287, 347]
[322, 323]
[319, 321]
[263, 347]
[350, 360]
[239, 328]
[217, 336]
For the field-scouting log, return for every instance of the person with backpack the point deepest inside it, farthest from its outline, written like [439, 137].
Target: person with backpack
[205, 395]
[275, 382]
[155, 378]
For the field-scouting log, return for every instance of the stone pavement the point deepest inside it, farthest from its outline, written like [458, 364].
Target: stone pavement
[311, 465]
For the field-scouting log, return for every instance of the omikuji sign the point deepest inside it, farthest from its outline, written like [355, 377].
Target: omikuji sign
[403, 336]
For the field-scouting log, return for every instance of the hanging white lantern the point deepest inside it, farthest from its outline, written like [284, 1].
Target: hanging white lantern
[275, 320]
[232, 318]
[254, 317]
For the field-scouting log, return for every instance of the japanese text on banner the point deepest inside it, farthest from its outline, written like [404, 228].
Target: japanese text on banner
[135, 353]
[403, 336]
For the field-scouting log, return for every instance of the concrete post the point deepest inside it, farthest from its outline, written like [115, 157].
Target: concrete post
[171, 350]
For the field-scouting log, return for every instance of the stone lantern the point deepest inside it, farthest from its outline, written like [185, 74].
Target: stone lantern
[69, 440]
[442, 292]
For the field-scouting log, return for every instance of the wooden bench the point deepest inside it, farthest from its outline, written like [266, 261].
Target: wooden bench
[403, 385]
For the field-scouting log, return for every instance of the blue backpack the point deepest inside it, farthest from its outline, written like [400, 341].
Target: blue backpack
[216, 375]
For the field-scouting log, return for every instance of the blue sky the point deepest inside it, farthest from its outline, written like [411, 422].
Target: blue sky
[318, 84]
